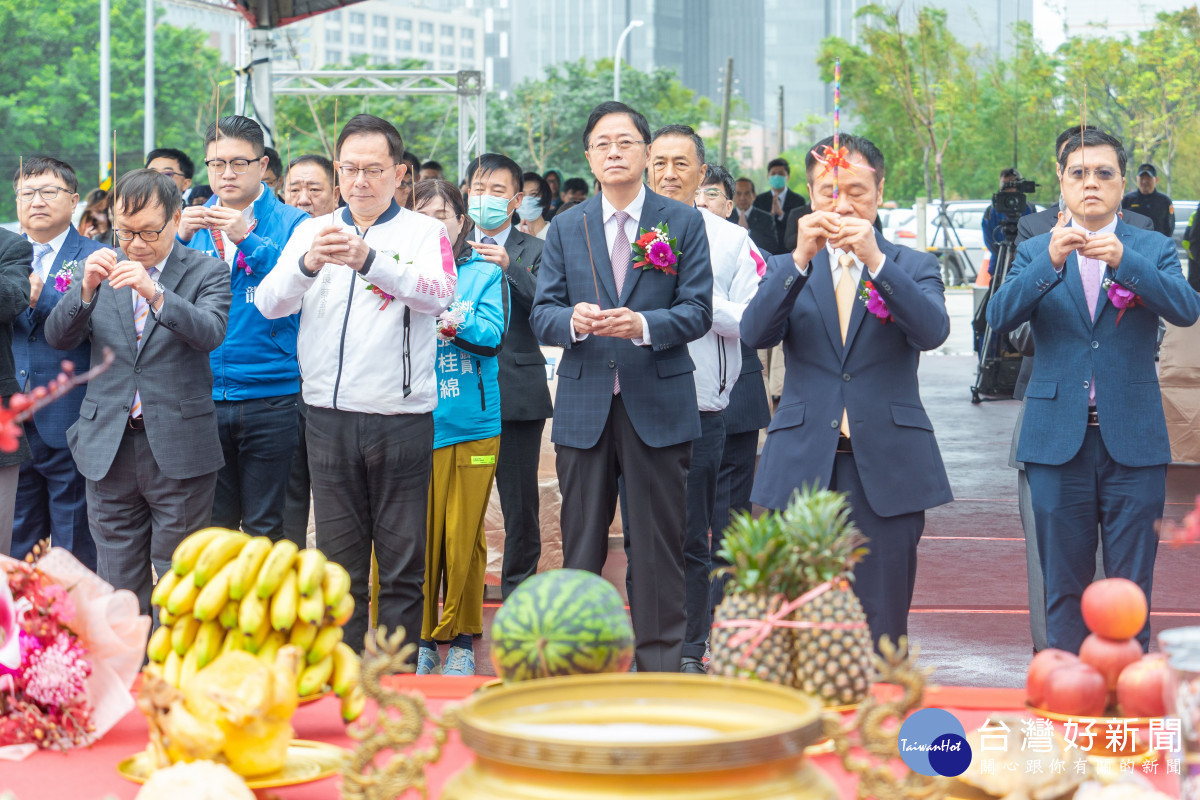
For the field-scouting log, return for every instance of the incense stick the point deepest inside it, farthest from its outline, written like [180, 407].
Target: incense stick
[591, 259]
[837, 118]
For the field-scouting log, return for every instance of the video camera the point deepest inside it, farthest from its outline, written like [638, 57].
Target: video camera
[1012, 200]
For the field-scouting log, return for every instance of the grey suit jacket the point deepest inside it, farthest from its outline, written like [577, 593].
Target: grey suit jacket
[524, 390]
[171, 369]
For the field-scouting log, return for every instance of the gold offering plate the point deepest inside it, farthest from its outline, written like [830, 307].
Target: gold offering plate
[306, 761]
[651, 723]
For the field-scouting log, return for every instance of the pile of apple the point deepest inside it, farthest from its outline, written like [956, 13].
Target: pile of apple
[1110, 670]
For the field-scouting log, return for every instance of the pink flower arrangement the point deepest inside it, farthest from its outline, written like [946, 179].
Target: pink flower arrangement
[1120, 297]
[655, 249]
[874, 301]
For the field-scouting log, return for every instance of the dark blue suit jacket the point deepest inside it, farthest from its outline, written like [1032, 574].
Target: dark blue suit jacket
[657, 387]
[40, 363]
[1072, 349]
[873, 376]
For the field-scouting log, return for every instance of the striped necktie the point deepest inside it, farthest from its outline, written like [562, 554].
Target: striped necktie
[40, 251]
[141, 312]
[621, 257]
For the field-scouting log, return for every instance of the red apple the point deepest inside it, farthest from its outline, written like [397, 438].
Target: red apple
[1142, 686]
[1039, 668]
[1076, 689]
[1110, 656]
[1115, 608]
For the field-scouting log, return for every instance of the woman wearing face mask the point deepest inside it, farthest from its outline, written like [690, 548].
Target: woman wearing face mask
[466, 440]
[530, 213]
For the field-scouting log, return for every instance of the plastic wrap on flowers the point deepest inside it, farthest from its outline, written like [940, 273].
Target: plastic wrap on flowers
[80, 647]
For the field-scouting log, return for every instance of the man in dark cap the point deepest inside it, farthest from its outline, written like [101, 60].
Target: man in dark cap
[1150, 202]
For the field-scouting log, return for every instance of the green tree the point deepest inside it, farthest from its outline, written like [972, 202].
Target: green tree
[49, 88]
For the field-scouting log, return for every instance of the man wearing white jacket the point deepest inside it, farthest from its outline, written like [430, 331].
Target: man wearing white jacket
[677, 169]
[369, 279]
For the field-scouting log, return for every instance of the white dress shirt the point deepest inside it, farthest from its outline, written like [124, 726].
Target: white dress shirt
[56, 246]
[608, 215]
[501, 237]
[836, 268]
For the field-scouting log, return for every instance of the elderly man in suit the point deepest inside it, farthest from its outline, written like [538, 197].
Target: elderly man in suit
[495, 184]
[851, 416]
[15, 257]
[1093, 438]
[626, 403]
[50, 493]
[146, 438]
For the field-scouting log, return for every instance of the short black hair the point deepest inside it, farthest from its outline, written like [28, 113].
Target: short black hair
[782, 162]
[575, 185]
[558, 175]
[1011, 172]
[321, 161]
[39, 165]
[853, 144]
[274, 162]
[543, 192]
[614, 107]
[431, 164]
[410, 158]
[747, 180]
[201, 193]
[1093, 137]
[186, 165]
[683, 130]
[142, 188]
[488, 163]
[719, 176]
[366, 124]
[243, 129]
[1067, 134]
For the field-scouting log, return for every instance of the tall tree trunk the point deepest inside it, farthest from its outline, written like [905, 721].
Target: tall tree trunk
[928, 183]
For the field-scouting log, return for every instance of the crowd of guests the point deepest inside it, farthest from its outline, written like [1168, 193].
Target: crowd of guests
[365, 334]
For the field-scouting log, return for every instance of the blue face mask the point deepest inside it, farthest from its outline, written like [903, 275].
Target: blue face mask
[777, 182]
[530, 208]
[488, 212]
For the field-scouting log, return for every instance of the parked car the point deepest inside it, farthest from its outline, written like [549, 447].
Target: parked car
[956, 237]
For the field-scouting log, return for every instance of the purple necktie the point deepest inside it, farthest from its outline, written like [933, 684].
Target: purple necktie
[1090, 270]
[621, 257]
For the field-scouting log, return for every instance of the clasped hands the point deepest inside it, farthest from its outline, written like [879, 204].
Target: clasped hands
[333, 245]
[1064, 238]
[850, 234]
[619, 323]
[229, 221]
[103, 265]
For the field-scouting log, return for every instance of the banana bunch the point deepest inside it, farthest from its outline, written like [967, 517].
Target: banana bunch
[228, 591]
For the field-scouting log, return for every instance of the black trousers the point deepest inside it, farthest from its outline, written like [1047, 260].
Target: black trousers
[517, 485]
[697, 559]
[735, 481]
[299, 488]
[884, 580]
[370, 478]
[655, 480]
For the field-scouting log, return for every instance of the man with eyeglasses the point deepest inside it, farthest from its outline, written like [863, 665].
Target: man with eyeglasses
[146, 438]
[370, 279]
[626, 404]
[175, 164]
[1094, 438]
[256, 377]
[50, 493]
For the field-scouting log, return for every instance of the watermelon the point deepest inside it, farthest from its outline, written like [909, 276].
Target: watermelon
[563, 622]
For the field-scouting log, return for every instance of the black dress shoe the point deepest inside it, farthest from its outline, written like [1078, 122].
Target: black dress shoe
[693, 666]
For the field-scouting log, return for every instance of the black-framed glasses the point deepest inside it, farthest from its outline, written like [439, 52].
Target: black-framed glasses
[147, 236]
[370, 173]
[240, 165]
[46, 192]
[621, 144]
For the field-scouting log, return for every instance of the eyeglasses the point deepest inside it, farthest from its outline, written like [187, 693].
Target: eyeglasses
[622, 144]
[240, 165]
[170, 173]
[147, 236]
[712, 193]
[1104, 174]
[46, 192]
[370, 173]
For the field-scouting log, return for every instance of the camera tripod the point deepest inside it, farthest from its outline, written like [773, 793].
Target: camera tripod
[952, 259]
[996, 374]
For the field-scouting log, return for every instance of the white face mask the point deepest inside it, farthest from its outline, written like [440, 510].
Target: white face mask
[530, 208]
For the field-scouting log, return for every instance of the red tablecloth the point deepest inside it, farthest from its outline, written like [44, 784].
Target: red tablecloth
[91, 774]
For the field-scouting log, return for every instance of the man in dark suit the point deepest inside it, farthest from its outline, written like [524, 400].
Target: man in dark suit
[755, 220]
[1094, 438]
[779, 201]
[146, 438]
[851, 416]
[15, 257]
[50, 493]
[626, 403]
[495, 183]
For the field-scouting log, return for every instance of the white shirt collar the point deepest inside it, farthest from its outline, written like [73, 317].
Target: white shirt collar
[56, 245]
[501, 237]
[1111, 227]
[634, 209]
[780, 194]
[835, 264]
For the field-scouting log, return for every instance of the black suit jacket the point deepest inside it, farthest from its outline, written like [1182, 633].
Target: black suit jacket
[524, 390]
[762, 230]
[791, 201]
[16, 256]
[748, 409]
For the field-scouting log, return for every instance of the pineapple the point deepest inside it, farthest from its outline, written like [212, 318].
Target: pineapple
[832, 664]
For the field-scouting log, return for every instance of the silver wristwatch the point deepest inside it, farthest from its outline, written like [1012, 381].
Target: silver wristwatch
[158, 293]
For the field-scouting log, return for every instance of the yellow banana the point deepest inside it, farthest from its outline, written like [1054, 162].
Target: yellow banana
[253, 641]
[160, 644]
[353, 703]
[284, 603]
[279, 561]
[310, 569]
[312, 607]
[322, 646]
[153, 669]
[162, 589]
[214, 595]
[251, 613]
[270, 647]
[219, 552]
[183, 596]
[345, 669]
[208, 642]
[303, 634]
[233, 641]
[165, 617]
[342, 612]
[229, 615]
[248, 562]
[313, 678]
[183, 633]
[336, 583]
[188, 668]
[171, 668]
[189, 550]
